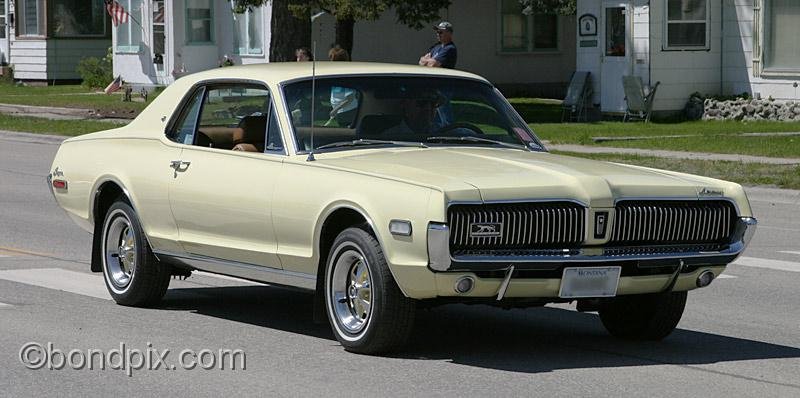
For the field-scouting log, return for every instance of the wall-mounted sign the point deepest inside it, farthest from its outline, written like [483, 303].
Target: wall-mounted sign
[588, 43]
[587, 25]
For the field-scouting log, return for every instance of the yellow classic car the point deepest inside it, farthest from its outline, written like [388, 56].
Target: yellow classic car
[385, 188]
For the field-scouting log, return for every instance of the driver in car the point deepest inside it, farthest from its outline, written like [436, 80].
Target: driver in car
[419, 116]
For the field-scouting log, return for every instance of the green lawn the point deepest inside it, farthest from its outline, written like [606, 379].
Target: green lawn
[72, 96]
[537, 110]
[781, 176]
[58, 127]
[702, 136]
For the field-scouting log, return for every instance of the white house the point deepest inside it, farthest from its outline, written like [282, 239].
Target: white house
[521, 54]
[172, 38]
[515, 51]
[45, 39]
[708, 46]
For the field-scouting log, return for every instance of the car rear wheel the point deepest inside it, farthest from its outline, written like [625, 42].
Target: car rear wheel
[367, 311]
[643, 316]
[131, 272]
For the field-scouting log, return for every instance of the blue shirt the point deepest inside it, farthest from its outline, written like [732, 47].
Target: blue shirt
[446, 54]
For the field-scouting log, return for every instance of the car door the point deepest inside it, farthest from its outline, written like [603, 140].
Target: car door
[221, 198]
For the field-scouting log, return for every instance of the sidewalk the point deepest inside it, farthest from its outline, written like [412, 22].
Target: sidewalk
[672, 154]
[56, 113]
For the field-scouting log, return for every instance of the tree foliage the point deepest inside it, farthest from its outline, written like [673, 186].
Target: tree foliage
[412, 13]
[562, 7]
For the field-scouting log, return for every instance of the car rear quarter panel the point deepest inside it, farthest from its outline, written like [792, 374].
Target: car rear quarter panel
[139, 166]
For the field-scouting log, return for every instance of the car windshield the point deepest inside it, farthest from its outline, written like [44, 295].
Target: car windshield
[357, 112]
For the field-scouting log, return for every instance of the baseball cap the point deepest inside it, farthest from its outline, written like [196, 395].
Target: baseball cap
[444, 25]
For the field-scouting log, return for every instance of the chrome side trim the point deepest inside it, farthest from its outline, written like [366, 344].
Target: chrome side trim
[438, 247]
[241, 270]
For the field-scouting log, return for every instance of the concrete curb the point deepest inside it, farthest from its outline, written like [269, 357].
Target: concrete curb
[56, 113]
[32, 109]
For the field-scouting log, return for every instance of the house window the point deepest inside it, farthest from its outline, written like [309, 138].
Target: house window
[687, 24]
[248, 37]
[781, 30]
[526, 33]
[199, 22]
[30, 17]
[129, 34]
[2, 19]
[159, 37]
[76, 18]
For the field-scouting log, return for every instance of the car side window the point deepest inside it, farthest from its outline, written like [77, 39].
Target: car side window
[186, 125]
[230, 116]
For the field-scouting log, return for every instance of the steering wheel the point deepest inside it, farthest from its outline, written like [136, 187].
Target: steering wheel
[460, 125]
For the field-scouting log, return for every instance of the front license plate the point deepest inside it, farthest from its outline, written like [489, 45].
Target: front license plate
[589, 282]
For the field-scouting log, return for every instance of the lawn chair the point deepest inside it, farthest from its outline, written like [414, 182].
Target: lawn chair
[579, 94]
[640, 105]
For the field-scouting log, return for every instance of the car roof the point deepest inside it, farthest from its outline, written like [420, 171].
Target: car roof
[277, 72]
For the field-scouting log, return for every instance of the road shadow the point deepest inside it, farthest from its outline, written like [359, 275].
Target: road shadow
[521, 340]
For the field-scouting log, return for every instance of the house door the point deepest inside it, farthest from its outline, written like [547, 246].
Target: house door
[159, 42]
[616, 59]
[4, 33]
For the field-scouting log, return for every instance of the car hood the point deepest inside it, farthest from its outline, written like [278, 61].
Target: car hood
[491, 174]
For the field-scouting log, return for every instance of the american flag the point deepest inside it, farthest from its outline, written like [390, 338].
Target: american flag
[117, 12]
[114, 86]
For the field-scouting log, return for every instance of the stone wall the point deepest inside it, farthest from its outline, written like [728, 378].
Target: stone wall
[751, 109]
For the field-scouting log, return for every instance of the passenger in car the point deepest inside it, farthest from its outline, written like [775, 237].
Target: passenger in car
[248, 136]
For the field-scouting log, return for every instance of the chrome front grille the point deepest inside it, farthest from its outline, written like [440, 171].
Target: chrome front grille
[516, 226]
[668, 222]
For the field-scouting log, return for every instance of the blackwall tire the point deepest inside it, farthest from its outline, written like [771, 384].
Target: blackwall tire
[366, 309]
[643, 316]
[131, 272]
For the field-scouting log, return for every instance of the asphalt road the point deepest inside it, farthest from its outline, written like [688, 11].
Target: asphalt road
[738, 337]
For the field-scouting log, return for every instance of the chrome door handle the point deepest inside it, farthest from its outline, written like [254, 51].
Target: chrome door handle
[179, 165]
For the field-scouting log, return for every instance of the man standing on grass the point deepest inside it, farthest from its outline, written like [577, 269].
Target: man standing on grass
[444, 53]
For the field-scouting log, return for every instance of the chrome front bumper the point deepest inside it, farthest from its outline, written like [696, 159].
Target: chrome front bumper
[440, 259]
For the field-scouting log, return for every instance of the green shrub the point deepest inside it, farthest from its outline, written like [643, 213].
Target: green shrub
[96, 72]
[8, 77]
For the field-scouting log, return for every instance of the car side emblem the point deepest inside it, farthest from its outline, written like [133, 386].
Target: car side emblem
[485, 230]
[710, 192]
[600, 224]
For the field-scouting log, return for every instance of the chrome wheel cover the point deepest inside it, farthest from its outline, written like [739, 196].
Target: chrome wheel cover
[350, 290]
[119, 249]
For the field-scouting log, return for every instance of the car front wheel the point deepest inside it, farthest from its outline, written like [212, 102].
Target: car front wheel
[367, 311]
[643, 316]
[132, 274]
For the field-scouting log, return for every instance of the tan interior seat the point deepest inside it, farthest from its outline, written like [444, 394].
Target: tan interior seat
[249, 135]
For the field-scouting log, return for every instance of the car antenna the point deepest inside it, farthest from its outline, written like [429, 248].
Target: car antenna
[313, 80]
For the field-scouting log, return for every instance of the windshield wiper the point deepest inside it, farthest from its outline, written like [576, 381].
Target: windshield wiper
[471, 139]
[364, 142]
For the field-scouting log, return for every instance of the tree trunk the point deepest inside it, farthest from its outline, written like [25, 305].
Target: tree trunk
[344, 34]
[288, 32]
